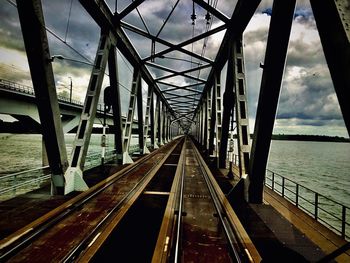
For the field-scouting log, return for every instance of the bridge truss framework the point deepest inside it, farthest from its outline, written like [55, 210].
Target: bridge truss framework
[173, 113]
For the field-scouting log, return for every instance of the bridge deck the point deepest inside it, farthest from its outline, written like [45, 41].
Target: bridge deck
[278, 229]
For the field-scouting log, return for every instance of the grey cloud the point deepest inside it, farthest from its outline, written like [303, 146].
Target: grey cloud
[305, 54]
[315, 100]
[11, 35]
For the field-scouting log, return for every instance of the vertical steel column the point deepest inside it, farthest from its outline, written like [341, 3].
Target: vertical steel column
[168, 128]
[74, 174]
[218, 109]
[38, 54]
[276, 51]
[200, 125]
[116, 106]
[136, 81]
[203, 109]
[212, 118]
[147, 117]
[166, 125]
[157, 124]
[228, 105]
[153, 122]
[208, 114]
[333, 24]
[242, 117]
[160, 123]
[140, 116]
[197, 125]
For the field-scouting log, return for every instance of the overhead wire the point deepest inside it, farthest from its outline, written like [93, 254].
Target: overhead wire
[75, 50]
[70, 12]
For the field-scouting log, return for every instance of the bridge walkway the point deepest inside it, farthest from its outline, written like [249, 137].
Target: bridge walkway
[279, 229]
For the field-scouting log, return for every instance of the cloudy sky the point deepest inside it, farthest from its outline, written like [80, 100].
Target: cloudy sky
[308, 104]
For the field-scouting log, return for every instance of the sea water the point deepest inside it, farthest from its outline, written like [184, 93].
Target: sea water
[321, 166]
[324, 167]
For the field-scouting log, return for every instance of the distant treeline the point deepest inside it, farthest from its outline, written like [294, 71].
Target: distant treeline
[316, 138]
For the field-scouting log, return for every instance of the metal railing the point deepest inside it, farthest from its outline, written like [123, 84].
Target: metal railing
[330, 213]
[10, 85]
[16, 183]
[323, 209]
[25, 181]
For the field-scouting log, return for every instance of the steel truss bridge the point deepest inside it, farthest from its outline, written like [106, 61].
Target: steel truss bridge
[198, 108]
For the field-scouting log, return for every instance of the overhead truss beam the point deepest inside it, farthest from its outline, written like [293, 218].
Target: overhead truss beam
[212, 10]
[240, 18]
[171, 46]
[101, 13]
[130, 8]
[187, 42]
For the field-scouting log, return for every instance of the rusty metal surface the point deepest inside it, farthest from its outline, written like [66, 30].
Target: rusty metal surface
[203, 239]
[56, 243]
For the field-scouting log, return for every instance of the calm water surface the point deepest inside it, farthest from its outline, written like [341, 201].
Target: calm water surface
[321, 166]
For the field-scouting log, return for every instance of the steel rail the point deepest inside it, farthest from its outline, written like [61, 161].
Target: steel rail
[95, 232]
[33, 233]
[237, 252]
[179, 217]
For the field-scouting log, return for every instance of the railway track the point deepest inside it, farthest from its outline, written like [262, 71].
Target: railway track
[66, 232]
[166, 207]
[199, 224]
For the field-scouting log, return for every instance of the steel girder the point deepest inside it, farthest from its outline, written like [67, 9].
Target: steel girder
[157, 124]
[38, 54]
[276, 52]
[335, 38]
[74, 174]
[241, 102]
[101, 13]
[240, 18]
[116, 106]
[228, 105]
[149, 112]
[135, 89]
[235, 96]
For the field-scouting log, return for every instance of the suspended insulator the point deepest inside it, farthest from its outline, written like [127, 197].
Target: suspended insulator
[193, 17]
[208, 17]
